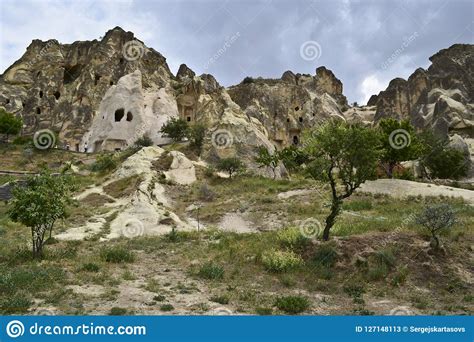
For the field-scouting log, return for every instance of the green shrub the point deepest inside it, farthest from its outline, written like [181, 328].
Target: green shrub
[280, 261]
[292, 238]
[211, 271]
[354, 290]
[22, 140]
[248, 80]
[436, 218]
[175, 128]
[90, 267]
[144, 141]
[292, 304]
[264, 311]
[221, 299]
[325, 255]
[230, 165]
[116, 311]
[196, 134]
[167, 307]
[159, 298]
[358, 205]
[17, 304]
[117, 255]
[104, 163]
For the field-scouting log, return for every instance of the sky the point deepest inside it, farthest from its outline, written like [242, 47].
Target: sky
[365, 43]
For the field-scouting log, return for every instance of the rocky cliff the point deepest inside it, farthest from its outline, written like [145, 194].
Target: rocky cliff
[441, 97]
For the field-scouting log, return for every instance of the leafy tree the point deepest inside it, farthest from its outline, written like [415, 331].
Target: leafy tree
[293, 157]
[399, 143]
[230, 165]
[267, 159]
[175, 128]
[441, 160]
[9, 124]
[248, 80]
[436, 218]
[144, 141]
[343, 155]
[196, 134]
[40, 204]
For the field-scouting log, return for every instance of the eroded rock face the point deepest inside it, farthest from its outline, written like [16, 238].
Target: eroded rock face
[288, 106]
[60, 86]
[441, 95]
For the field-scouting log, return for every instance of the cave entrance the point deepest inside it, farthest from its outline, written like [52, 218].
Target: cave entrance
[119, 114]
[296, 140]
[71, 73]
[129, 116]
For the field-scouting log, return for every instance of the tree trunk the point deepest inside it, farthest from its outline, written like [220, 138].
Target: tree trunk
[331, 219]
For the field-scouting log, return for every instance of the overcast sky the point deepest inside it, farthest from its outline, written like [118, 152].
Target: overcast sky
[365, 43]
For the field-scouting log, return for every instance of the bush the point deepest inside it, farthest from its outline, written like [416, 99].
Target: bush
[248, 80]
[144, 141]
[196, 134]
[222, 299]
[358, 205]
[104, 162]
[292, 238]
[167, 307]
[17, 304]
[211, 271]
[435, 219]
[22, 140]
[292, 304]
[230, 165]
[90, 267]
[326, 255]
[175, 128]
[117, 255]
[116, 311]
[447, 163]
[280, 261]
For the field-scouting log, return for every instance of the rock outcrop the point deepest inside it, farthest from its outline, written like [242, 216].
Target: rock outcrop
[440, 97]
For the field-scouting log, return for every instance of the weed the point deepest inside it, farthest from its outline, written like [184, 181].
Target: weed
[292, 304]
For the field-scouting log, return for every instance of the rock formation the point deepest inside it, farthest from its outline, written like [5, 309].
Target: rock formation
[440, 97]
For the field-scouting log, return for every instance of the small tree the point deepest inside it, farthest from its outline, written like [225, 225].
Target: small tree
[293, 157]
[436, 218]
[144, 141]
[345, 154]
[441, 160]
[230, 165]
[175, 128]
[9, 124]
[196, 134]
[399, 143]
[266, 159]
[40, 204]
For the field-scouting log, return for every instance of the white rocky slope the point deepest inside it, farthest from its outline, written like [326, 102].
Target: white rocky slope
[147, 211]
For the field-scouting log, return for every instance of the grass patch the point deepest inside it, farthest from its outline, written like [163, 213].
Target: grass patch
[123, 187]
[292, 304]
[221, 299]
[17, 304]
[167, 307]
[116, 311]
[292, 238]
[211, 271]
[280, 261]
[90, 267]
[117, 255]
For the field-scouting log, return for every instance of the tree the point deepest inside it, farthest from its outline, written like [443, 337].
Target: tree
[175, 128]
[292, 157]
[144, 141]
[40, 204]
[436, 218]
[399, 143]
[343, 155]
[441, 160]
[196, 134]
[230, 165]
[9, 124]
[267, 159]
